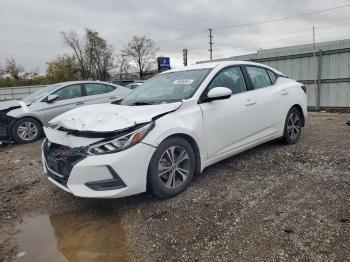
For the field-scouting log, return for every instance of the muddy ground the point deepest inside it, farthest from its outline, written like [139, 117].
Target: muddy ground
[272, 203]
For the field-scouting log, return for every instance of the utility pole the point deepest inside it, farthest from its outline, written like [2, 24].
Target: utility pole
[211, 43]
[314, 49]
[185, 52]
[316, 82]
[315, 72]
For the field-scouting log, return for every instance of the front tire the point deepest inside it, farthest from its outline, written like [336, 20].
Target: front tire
[293, 126]
[27, 130]
[172, 167]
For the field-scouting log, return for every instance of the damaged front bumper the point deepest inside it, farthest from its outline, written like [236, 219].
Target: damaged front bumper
[102, 176]
[6, 123]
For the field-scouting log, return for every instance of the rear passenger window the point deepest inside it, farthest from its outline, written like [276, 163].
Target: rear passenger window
[272, 76]
[110, 88]
[95, 89]
[259, 77]
[69, 92]
[231, 78]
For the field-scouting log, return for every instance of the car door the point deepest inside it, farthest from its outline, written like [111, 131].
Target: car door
[231, 123]
[97, 93]
[69, 97]
[271, 99]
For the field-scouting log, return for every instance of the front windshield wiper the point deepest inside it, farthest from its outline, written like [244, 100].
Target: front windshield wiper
[117, 102]
[142, 103]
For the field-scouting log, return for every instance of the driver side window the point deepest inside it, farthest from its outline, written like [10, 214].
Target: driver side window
[231, 78]
[68, 92]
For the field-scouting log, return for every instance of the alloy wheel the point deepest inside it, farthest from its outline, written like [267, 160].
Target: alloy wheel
[293, 126]
[174, 167]
[27, 131]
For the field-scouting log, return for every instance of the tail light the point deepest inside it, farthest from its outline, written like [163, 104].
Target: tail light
[304, 88]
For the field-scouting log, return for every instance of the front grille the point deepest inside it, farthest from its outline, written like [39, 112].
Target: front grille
[60, 160]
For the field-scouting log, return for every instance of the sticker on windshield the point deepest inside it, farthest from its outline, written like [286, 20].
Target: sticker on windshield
[183, 82]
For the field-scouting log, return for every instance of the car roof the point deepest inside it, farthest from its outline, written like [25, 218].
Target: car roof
[63, 84]
[84, 82]
[212, 65]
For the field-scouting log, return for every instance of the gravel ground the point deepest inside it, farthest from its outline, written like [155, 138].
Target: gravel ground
[272, 203]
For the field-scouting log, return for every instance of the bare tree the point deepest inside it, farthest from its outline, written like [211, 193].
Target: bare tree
[72, 39]
[123, 66]
[100, 53]
[13, 69]
[93, 54]
[142, 51]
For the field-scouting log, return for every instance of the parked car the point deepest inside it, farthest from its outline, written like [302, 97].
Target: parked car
[23, 120]
[171, 127]
[134, 85]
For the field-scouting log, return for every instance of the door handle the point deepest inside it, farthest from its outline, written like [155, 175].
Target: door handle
[80, 103]
[284, 92]
[112, 97]
[250, 102]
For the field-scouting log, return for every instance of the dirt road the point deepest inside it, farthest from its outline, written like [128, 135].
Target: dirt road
[274, 202]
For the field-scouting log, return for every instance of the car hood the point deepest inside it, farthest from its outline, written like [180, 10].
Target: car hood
[109, 117]
[7, 106]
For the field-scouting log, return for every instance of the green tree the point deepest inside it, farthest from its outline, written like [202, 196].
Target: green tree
[63, 68]
[14, 69]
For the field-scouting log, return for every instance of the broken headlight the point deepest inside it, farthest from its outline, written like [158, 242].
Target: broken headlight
[120, 143]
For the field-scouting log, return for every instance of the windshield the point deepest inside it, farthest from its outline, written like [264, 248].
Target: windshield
[39, 94]
[167, 88]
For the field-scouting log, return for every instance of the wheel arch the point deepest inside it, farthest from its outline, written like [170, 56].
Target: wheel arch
[300, 109]
[11, 126]
[26, 116]
[194, 145]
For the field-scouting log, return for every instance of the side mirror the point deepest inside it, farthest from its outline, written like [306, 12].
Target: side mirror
[51, 98]
[218, 93]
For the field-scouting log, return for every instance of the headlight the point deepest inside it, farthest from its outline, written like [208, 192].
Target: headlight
[120, 143]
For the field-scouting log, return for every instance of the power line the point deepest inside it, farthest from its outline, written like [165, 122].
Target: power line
[271, 38]
[255, 23]
[253, 47]
[283, 18]
[302, 31]
[183, 37]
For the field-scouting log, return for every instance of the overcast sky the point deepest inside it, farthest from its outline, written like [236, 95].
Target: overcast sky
[30, 29]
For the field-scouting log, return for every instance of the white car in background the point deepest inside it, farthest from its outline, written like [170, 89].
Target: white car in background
[171, 127]
[23, 120]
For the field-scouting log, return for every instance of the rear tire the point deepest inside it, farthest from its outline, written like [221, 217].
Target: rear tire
[292, 126]
[172, 167]
[27, 130]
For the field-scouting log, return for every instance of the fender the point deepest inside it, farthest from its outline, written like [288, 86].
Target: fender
[170, 125]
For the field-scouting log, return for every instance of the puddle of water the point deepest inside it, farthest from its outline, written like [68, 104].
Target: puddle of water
[72, 237]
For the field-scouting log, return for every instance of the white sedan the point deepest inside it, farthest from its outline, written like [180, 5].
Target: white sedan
[170, 128]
